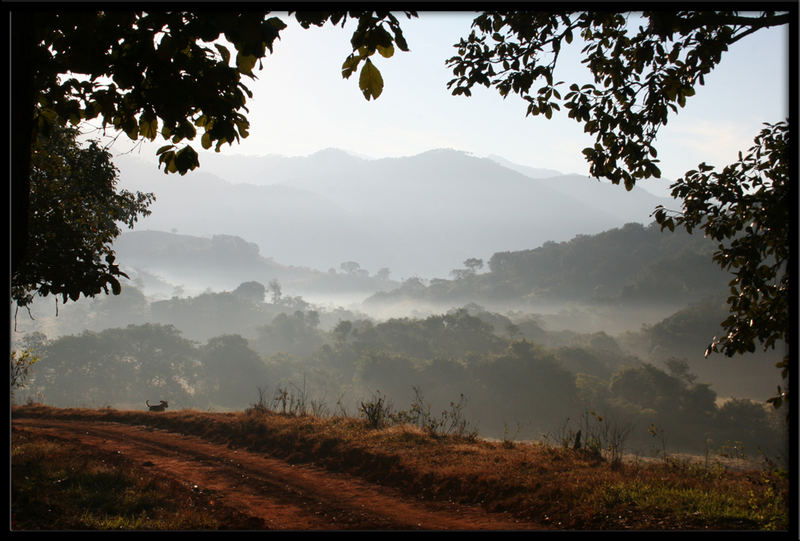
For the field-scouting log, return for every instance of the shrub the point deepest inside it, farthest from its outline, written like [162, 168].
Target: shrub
[376, 411]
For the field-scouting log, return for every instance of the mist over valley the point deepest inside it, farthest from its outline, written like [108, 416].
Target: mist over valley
[418, 216]
[338, 277]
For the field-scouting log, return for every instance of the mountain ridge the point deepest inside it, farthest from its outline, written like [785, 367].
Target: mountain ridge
[421, 215]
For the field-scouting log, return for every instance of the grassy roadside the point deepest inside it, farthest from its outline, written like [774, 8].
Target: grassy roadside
[555, 486]
[57, 485]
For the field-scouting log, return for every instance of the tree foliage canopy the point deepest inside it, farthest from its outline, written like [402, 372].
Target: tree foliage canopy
[746, 208]
[73, 223]
[148, 74]
[641, 75]
[151, 73]
[644, 68]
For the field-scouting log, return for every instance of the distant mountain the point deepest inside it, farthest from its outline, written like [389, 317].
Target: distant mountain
[533, 172]
[272, 168]
[600, 194]
[420, 215]
[291, 225]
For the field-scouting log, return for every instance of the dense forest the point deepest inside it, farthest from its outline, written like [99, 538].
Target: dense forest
[517, 373]
[633, 264]
[509, 386]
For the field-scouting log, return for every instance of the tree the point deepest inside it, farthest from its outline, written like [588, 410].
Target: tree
[341, 331]
[252, 290]
[312, 319]
[679, 368]
[295, 334]
[641, 76]
[73, 224]
[119, 367]
[232, 370]
[473, 264]
[149, 74]
[21, 368]
[533, 382]
[745, 208]
[274, 287]
[513, 331]
[350, 267]
[460, 274]
[647, 387]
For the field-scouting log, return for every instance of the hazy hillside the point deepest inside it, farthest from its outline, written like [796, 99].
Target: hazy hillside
[687, 333]
[599, 194]
[288, 224]
[157, 259]
[418, 216]
[632, 265]
[533, 172]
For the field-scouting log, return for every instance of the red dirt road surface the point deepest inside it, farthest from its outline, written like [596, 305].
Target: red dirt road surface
[283, 496]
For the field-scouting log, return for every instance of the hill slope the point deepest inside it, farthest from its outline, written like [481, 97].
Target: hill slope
[419, 215]
[632, 265]
[223, 262]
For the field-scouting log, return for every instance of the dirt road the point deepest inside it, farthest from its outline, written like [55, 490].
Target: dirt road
[284, 496]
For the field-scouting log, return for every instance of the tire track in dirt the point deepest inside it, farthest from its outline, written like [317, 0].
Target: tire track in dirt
[283, 495]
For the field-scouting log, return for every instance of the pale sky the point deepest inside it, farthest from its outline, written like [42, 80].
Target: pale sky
[301, 104]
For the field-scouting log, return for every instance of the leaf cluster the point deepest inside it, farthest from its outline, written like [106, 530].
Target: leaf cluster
[375, 33]
[150, 73]
[73, 224]
[641, 75]
[745, 208]
[171, 73]
[21, 367]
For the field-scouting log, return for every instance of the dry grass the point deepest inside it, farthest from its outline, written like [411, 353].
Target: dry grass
[558, 487]
[58, 485]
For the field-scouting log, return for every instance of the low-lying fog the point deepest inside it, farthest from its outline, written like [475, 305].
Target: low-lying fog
[529, 319]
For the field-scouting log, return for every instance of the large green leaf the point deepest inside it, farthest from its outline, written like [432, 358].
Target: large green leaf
[370, 82]
[385, 52]
[206, 140]
[148, 125]
[350, 65]
[246, 63]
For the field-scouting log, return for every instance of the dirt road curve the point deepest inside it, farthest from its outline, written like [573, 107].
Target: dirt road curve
[284, 496]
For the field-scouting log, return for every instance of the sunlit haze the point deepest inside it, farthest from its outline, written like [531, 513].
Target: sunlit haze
[301, 104]
[440, 268]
